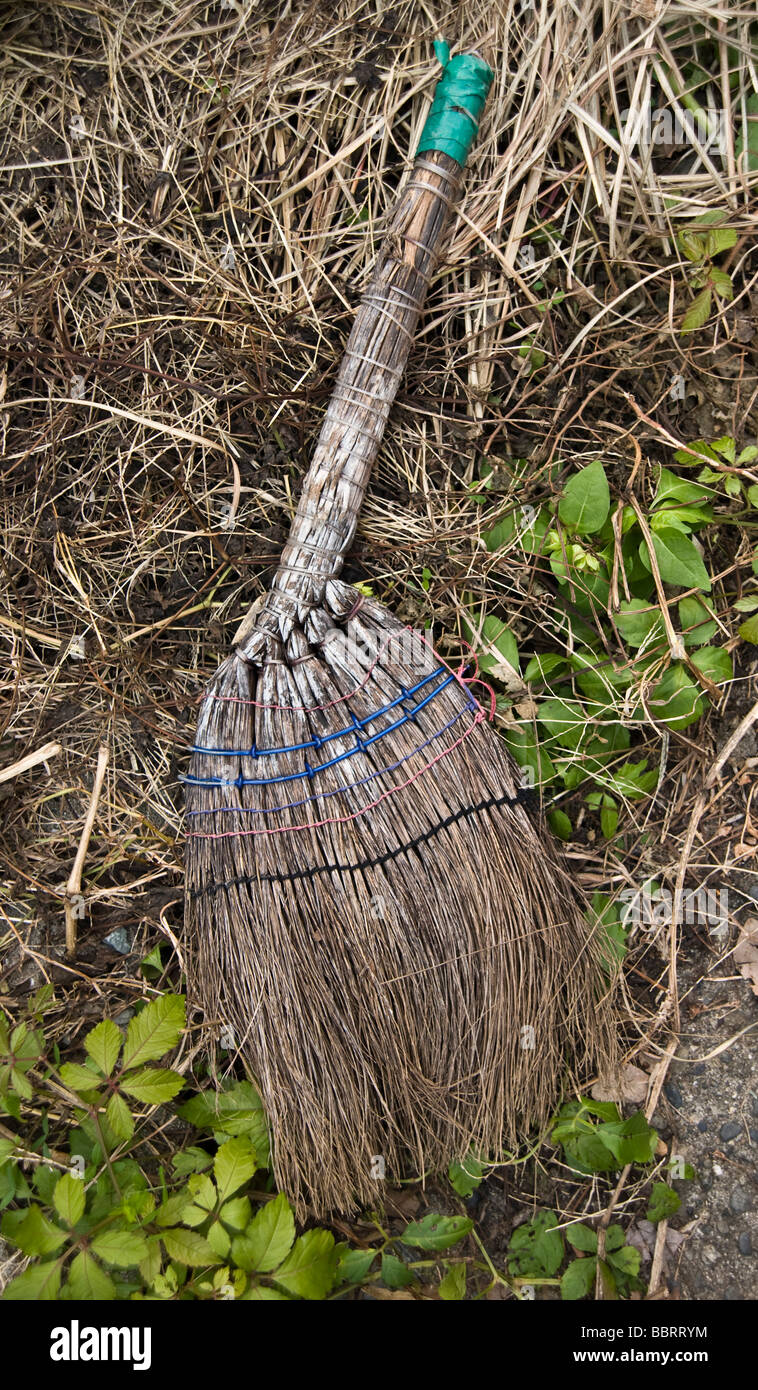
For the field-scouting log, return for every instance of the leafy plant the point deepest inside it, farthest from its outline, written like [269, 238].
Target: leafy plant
[700, 244]
[596, 1139]
[618, 1267]
[620, 665]
[102, 1224]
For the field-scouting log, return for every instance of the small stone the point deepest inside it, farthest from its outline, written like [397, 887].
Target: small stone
[702, 1126]
[673, 1094]
[119, 940]
[754, 1104]
[730, 1130]
[745, 1243]
[699, 1069]
[732, 1294]
[739, 1200]
[754, 1135]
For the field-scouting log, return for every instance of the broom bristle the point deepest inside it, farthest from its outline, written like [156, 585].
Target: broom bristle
[371, 910]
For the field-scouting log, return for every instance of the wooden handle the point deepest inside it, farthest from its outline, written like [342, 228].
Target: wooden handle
[373, 364]
[376, 354]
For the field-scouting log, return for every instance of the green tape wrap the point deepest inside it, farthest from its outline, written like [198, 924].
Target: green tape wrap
[458, 103]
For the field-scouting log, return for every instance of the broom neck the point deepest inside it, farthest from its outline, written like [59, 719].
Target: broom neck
[367, 383]
[376, 353]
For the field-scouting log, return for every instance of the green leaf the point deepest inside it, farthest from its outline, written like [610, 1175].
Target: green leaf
[630, 1141]
[720, 239]
[637, 620]
[676, 701]
[578, 1280]
[721, 282]
[263, 1294]
[219, 1239]
[79, 1079]
[234, 1166]
[664, 1201]
[522, 743]
[539, 668]
[39, 1283]
[203, 1192]
[672, 488]
[565, 720]
[193, 1215]
[466, 1177]
[714, 662]
[453, 1287]
[172, 1210]
[188, 1247]
[20, 1084]
[235, 1110]
[68, 1199]
[435, 1232]
[614, 1238]
[691, 244]
[582, 1238]
[679, 561]
[121, 1248]
[152, 1085]
[354, 1265]
[609, 817]
[586, 500]
[749, 630]
[103, 1044]
[683, 519]
[88, 1281]
[502, 533]
[236, 1213]
[35, 1234]
[154, 1031]
[119, 1117]
[395, 1274]
[695, 621]
[560, 824]
[536, 1247]
[626, 1261]
[494, 644]
[191, 1160]
[311, 1266]
[698, 312]
[150, 1266]
[268, 1239]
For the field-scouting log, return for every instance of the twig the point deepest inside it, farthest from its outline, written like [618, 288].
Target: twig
[73, 887]
[48, 750]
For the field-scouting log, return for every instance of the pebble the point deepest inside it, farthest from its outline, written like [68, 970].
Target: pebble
[739, 1200]
[702, 1126]
[730, 1130]
[755, 1105]
[699, 1069]
[745, 1243]
[673, 1094]
[754, 1135]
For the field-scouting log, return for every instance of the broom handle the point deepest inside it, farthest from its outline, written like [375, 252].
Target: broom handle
[377, 349]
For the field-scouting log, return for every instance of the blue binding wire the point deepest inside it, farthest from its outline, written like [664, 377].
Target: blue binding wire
[362, 744]
[317, 742]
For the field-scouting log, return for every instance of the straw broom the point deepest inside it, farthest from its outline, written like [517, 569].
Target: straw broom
[372, 909]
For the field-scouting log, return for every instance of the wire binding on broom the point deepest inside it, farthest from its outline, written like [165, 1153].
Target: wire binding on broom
[523, 797]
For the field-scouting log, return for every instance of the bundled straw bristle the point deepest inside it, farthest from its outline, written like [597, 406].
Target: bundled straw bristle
[395, 948]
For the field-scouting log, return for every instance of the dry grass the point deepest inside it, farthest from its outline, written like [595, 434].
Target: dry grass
[190, 199]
